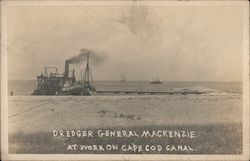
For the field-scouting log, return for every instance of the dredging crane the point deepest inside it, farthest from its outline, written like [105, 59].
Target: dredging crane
[88, 84]
[54, 83]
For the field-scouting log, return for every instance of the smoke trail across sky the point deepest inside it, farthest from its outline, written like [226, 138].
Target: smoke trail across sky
[95, 57]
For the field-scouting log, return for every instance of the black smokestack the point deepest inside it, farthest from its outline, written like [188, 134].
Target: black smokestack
[66, 71]
[94, 56]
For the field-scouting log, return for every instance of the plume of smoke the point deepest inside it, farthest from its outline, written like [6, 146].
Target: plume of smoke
[94, 57]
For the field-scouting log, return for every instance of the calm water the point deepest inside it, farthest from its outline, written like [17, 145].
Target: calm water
[25, 87]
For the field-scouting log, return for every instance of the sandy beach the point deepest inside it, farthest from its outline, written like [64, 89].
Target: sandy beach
[40, 114]
[214, 118]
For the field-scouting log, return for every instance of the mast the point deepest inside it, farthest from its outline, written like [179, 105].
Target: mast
[88, 81]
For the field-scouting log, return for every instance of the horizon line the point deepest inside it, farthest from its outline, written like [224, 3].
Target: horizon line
[117, 80]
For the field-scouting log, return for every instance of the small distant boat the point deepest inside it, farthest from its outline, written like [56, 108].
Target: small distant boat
[123, 78]
[156, 80]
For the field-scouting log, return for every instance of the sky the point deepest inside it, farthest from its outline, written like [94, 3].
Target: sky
[176, 43]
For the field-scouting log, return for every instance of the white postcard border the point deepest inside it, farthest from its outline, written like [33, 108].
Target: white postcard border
[4, 88]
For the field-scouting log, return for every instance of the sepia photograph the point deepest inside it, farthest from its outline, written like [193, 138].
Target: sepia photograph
[133, 80]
